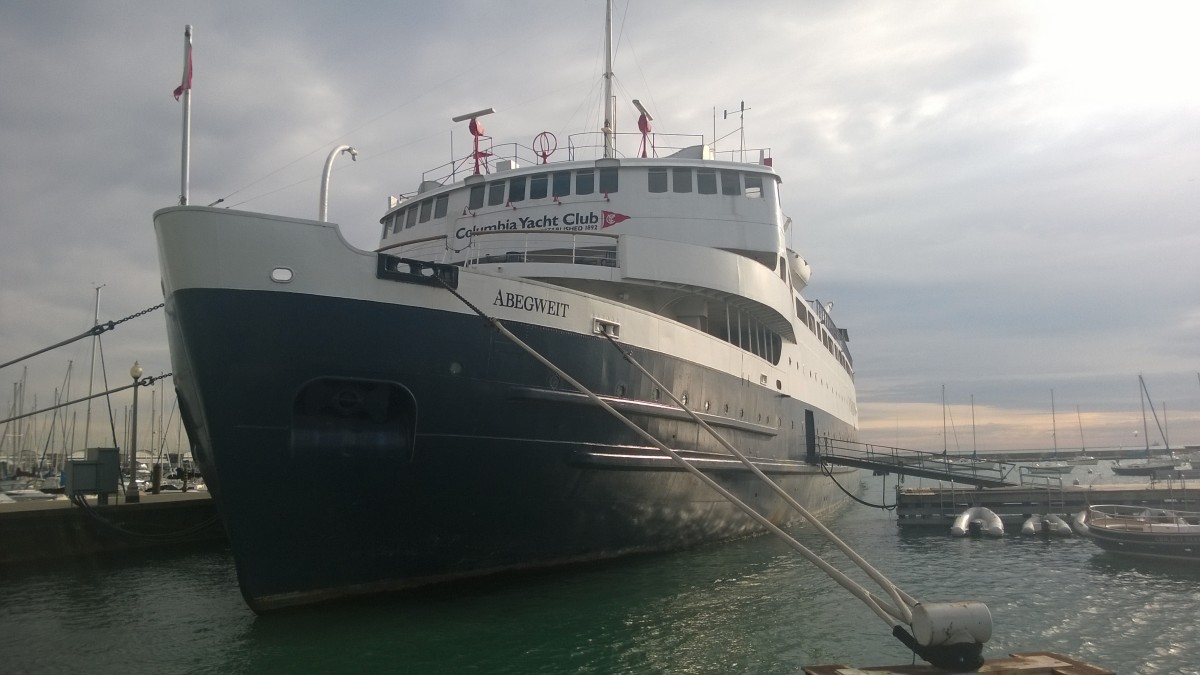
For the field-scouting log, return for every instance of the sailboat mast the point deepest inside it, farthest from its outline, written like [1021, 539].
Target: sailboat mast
[1142, 395]
[610, 111]
[1082, 445]
[1053, 424]
[974, 448]
[87, 418]
[945, 441]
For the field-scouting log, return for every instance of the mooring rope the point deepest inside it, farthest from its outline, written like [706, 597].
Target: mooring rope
[93, 331]
[892, 615]
[948, 651]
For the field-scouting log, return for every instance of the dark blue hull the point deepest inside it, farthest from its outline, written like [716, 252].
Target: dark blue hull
[1183, 546]
[354, 447]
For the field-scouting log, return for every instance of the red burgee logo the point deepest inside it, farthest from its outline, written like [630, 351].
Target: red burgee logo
[611, 218]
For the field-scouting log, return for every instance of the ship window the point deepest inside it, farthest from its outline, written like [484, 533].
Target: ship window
[439, 205]
[562, 183]
[731, 183]
[411, 219]
[753, 186]
[706, 181]
[426, 210]
[585, 182]
[496, 193]
[682, 180]
[537, 186]
[516, 189]
[656, 180]
[608, 180]
[476, 199]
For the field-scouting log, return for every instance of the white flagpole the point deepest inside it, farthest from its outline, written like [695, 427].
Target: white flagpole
[187, 115]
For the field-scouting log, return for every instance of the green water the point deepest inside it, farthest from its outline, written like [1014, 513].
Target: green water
[749, 606]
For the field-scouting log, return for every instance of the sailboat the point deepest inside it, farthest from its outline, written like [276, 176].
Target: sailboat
[1054, 465]
[1149, 465]
[1082, 458]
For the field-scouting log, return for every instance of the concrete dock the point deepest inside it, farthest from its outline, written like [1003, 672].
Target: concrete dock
[59, 529]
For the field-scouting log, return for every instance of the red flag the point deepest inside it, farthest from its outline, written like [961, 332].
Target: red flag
[610, 218]
[186, 84]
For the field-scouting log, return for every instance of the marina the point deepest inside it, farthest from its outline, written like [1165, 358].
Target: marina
[747, 606]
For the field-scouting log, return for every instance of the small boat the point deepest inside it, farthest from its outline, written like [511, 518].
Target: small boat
[1143, 467]
[1082, 460]
[977, 521]
[1046, 523]
[1055, 467]
[1147, 533]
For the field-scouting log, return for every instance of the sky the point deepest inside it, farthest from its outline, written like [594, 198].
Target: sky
[1001, 199]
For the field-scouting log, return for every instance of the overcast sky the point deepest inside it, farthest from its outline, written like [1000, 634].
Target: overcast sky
[1001, 198]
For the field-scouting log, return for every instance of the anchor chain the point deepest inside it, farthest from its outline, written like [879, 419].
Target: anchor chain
[91, 332]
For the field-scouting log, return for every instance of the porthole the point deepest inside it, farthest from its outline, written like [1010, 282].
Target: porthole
[281, 275]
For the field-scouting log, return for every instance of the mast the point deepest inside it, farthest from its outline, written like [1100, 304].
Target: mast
[945, 441]
[87, 418]
[609, 108]
[974, 449]
[185, 89]
[1053, 425]
[1082, 445]
[1142, 395]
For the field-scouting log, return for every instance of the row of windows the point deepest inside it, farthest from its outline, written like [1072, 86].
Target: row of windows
[543, 185]
[417, 213]
[679, 180]
[810, 319]
[581, 182]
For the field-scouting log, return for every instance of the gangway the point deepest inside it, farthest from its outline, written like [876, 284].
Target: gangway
[938, 466]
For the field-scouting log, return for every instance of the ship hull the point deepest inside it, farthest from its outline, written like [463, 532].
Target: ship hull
[355, 445]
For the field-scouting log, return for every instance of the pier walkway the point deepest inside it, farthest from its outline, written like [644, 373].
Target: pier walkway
[883, 459]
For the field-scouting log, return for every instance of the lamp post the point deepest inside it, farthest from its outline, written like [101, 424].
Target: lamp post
[131, 491]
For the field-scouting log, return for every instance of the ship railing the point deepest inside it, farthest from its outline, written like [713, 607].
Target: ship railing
[590, 144]
[495, 158]
[543, 246]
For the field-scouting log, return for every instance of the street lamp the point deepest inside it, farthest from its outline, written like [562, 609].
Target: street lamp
[131, 491]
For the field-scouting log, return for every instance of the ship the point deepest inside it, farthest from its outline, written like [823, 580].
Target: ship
[363, 426]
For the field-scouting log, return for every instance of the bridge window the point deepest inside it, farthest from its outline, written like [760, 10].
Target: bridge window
[657, 180]
[538, 185]
[585, 182]
[476, 199]
[496, 193]
[706, 181]
[608, 180]
[562, 183]
[731, 183]
[439, 205]
[411, 218]
[516, 189]
[426, 210]
[682, 180]
[754, 186]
